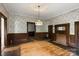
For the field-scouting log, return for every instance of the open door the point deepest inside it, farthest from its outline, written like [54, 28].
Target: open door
[31, 29]
[50, 33]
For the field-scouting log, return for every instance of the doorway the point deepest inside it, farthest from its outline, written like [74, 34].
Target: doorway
[62, 34]
[77, 34]
[50, 33]
[31, 29]
[3, 33]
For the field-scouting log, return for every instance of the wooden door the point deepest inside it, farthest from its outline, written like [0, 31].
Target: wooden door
[77, 34]
[50, 32]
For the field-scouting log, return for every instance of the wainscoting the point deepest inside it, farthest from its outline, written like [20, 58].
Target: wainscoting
[17, 38]
[72, 41]
[72, 38]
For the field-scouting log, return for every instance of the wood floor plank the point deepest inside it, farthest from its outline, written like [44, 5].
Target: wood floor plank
[41, 48]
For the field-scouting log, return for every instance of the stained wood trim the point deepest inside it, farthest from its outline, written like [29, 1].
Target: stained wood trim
[41, 32]
[31, 23]
[76, 33]
[20, 36]
[66, 32]
[72, 38]
[2, 15]
[17, 33]
[26, 33]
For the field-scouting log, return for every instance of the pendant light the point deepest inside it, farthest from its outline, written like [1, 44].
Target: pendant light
[39, 22]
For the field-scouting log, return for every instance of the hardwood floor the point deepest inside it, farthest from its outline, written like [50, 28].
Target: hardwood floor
[37, 48]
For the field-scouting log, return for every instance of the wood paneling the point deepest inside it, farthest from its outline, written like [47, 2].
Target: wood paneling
[72, 41]
[72, 38]
[17, 38]
[0, 37]
[41, 34]
[64, 32]
[22, 37]
[77, 33]
[50, 33]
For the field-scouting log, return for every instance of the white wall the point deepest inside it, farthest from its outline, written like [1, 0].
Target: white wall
[3, 10]
[18, 24]
[70, 17]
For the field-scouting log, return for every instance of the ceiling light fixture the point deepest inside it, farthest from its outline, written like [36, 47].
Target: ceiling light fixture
[38, 22]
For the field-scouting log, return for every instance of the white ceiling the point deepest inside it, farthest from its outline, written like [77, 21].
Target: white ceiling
[47, 10]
